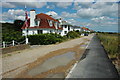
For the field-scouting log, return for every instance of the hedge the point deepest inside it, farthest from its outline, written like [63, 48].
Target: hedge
[45, 39]
[50, 38]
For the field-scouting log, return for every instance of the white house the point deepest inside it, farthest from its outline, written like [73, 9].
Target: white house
[66, 28]
[43, 23]
[40, 24]
[77, 28]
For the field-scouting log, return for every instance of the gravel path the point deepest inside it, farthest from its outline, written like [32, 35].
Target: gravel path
[21, 58]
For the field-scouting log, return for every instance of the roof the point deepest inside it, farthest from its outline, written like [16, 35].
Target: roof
[32, 10]
[43, 22]
[45, 16]
[85, 28]
[76, 26]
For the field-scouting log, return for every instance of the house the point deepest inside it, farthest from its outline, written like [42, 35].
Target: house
[40, 24]
[85, 29]
[43, 23]
[77, 28]
[66, 27]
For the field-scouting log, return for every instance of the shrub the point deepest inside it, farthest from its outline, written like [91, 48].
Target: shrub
[72, 34]
[45, 39]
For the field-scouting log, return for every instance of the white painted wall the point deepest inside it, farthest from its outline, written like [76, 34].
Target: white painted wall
[32, 18]
[63, 31]
[77, 29]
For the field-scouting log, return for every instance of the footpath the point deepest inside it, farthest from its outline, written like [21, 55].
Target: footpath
[94, 63]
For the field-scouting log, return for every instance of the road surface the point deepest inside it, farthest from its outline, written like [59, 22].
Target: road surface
[94, 63]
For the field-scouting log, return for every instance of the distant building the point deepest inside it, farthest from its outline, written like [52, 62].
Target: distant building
[66, 27]
[85, 29]
[77, 28]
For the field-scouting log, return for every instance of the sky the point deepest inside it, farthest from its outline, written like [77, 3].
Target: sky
[98, 15]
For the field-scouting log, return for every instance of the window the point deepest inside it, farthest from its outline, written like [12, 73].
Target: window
[65, 32]
[56, 25]
[36, 23]
[68, 27]
[50, 31]
[50, 22]
[40, 31]
[65, 26]
[33, 32]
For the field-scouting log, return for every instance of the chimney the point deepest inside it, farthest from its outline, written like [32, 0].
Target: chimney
[32, 18]
[60, 20]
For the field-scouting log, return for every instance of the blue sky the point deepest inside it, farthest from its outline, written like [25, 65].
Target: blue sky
[99, 16]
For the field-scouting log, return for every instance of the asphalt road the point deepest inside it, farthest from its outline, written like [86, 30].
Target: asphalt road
[94, 63]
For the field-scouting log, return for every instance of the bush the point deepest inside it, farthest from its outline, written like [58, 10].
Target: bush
[72, 34]
[45, 39]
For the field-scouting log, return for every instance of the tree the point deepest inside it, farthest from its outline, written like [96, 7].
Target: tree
[18, 24]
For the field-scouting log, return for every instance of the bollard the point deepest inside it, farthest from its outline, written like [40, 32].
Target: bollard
[26, 40]
[13, 43]
[3, 44]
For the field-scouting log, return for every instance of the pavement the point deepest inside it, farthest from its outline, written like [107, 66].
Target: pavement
[94, 63]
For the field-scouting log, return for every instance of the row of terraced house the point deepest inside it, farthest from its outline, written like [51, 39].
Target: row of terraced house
[43, 23]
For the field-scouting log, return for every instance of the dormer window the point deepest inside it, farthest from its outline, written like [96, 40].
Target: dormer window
[37, 22]
[56, 25]
[50, 22]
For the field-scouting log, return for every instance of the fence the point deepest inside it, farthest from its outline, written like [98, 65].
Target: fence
[13, 43]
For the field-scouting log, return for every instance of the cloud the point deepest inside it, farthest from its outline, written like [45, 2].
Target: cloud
[12, 14]
[8, 5]
[63, 4]
[54, 14]
[28, 4]
[69, 15]
[50, 6]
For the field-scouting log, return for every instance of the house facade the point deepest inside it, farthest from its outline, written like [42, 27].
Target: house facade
[66, 28]
[43, 23]
[40, 24]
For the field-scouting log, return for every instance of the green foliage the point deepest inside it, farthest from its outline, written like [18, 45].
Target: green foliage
[45, 39]
[9, 33]
[18, 24]
[72, 34]
[110, 42]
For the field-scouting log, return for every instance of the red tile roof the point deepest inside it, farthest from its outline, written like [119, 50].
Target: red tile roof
[85, 28]
[43, 22]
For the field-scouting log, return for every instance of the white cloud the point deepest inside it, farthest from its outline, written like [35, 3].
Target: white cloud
[28, 4]
[88, 10]
[50, 6]
[12, 14]
[54, 14]
[63, 4]
[8, 5]
[68, 15]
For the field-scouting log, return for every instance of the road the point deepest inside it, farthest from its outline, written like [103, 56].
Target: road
[19, 60]
[94, 63]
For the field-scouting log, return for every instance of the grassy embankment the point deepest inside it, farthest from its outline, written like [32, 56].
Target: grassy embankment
[111, 44]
